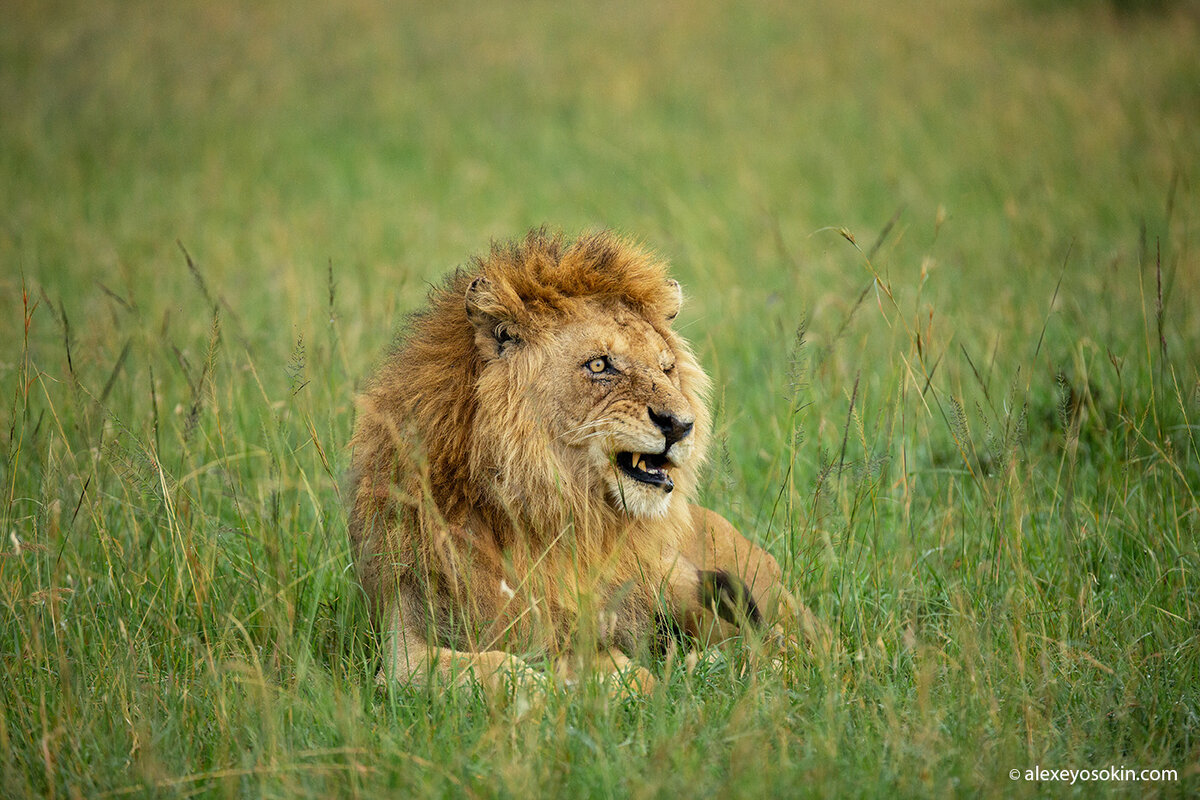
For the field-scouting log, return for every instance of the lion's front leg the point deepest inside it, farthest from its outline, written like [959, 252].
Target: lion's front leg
[621, 676]
[409, 658]
[740, 582]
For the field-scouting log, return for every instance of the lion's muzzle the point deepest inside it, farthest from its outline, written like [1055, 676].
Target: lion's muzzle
[651, 469]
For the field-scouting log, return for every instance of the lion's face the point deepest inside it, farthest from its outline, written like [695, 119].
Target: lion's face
[616, 396]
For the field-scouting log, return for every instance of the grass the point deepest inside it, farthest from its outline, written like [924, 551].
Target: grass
[940, 262]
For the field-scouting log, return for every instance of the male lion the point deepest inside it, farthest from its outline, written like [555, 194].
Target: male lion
[523, 466]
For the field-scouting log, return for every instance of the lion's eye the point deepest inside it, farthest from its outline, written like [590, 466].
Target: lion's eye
[597, 365]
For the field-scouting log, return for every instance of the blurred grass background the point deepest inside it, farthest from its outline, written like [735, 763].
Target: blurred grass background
[941, 262]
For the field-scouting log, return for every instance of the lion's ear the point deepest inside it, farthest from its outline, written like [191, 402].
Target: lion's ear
[495, 330]
[673, 299]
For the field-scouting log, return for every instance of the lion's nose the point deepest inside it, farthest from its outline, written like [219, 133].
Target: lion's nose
[673, 427]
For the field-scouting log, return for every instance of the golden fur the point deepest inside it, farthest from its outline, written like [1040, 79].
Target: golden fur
[523, 466]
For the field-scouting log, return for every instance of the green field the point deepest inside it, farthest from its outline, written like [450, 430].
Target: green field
[942, 263]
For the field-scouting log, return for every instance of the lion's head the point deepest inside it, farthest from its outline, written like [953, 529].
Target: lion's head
[544, 384]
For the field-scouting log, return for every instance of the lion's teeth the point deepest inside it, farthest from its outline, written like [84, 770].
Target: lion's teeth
[639, 464]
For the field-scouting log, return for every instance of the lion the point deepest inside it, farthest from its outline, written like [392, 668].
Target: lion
[524, 465]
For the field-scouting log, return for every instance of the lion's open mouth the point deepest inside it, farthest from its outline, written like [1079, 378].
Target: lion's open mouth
[648, 468]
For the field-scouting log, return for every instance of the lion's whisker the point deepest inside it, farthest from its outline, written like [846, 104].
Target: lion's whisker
[591, 435]
[585, 425]
[591, 424]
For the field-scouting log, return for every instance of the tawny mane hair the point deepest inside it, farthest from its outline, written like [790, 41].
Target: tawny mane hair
[443, 442]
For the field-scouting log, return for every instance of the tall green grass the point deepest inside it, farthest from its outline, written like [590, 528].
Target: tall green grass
[940, 262]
